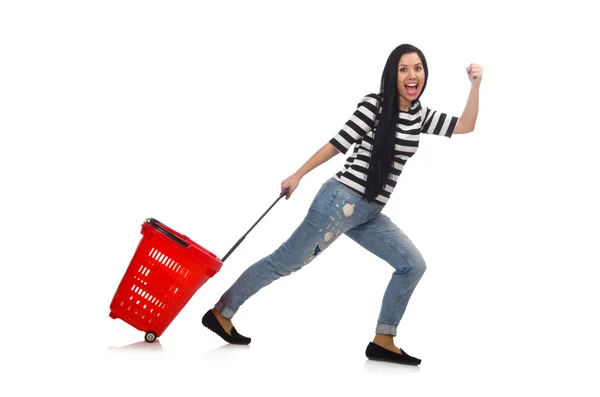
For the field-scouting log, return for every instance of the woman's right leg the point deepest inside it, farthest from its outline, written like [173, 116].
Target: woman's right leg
[334, 211]
[300, 249]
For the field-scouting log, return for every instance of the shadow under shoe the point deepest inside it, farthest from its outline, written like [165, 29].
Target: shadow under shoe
[210, 321]
[376, 352]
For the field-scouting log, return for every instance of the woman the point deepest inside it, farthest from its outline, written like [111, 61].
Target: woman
[385, 130]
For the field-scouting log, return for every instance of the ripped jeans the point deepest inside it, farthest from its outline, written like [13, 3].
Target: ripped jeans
[336, 210]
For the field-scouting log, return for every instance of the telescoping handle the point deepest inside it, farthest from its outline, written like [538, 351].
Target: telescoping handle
[284, 193]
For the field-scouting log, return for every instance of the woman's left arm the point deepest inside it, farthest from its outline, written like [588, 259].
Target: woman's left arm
[466, 122]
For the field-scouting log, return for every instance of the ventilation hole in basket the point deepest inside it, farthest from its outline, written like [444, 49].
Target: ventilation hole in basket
[151, 310]
[133, 287]
[147, 272]
[165, 260]
[145, 306]
[135, 313]
[131, 298]
[137, 303]
[149, 321]
[122, 303]
[141, 269]
[157, 314]
[128, 308]
[143, 317]
[176, 289]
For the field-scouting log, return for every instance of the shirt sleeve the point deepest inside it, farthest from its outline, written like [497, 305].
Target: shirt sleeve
[437, 123]
[361, 123]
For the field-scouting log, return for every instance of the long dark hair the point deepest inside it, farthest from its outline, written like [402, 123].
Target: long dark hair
[382, 155]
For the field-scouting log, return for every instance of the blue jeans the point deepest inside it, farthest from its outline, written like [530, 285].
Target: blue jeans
[336, 210]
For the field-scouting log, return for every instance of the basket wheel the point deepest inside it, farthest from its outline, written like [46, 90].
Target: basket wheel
[150, 337]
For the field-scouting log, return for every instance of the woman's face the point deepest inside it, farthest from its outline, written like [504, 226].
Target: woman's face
[411, 78]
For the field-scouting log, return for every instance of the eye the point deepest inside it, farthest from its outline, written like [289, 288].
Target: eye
[403, 70]
[418, 68]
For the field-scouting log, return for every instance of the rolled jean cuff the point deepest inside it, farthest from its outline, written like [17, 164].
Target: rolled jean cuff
[385, 329]
[224, 310]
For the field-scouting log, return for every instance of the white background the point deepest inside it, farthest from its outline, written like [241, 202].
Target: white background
[193, 112]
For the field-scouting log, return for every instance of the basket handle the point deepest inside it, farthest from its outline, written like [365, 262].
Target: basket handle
[164, 230]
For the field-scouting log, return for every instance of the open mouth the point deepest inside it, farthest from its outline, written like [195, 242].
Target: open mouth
[411, 89]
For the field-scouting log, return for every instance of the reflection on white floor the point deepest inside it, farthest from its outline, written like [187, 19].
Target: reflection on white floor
[231, 352]
[385, 368]
[138, 347]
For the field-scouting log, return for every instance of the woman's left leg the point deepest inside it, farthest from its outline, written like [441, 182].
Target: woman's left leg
[384, 239]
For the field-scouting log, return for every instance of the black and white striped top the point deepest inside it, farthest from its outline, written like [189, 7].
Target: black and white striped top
[362, 125]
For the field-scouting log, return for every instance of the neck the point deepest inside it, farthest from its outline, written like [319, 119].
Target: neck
[404, 105]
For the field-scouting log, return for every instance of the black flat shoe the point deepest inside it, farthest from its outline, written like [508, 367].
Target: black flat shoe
[209, 320]
[376, 352]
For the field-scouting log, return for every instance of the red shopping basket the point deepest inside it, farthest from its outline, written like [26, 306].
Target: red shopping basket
[165, 272]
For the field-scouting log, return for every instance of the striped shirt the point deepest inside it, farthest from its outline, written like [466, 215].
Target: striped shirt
[360, 130]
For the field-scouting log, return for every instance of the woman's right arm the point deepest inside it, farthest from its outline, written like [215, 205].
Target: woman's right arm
[322, 155]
